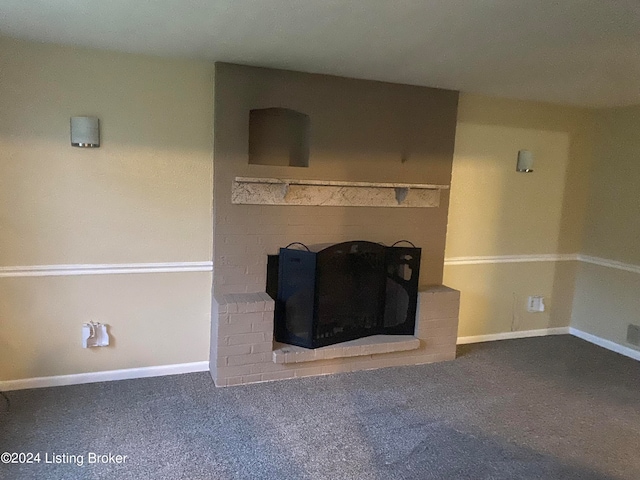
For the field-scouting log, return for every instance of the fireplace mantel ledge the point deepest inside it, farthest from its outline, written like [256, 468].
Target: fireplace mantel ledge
[372, 345]
[339, 183]
[279, 191]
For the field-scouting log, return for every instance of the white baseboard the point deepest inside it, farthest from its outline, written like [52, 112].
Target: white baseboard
[511, 335]
[601, 342]
[608, 344]
[106, 376]
[161, 370]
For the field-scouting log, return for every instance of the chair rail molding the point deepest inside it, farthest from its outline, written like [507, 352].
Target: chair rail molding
[104, 269]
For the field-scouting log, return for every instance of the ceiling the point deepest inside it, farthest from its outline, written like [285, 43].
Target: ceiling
[582, 52]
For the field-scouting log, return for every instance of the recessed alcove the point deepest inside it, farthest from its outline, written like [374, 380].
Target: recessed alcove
[279, 137]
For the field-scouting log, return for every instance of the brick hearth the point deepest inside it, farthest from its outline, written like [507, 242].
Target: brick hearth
[242, 345]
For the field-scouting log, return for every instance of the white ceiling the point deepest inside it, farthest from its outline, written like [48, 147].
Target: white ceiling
[583, 52]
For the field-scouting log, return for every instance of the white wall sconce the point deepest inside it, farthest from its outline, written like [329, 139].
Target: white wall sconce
[85, 132]
[525, 161]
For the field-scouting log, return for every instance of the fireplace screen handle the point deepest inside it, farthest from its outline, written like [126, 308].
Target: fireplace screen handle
[406, 241]
[302, 244]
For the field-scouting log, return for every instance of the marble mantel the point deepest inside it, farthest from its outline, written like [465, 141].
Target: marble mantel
[278, 191]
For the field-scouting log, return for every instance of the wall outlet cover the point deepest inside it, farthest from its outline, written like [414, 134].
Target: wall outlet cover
[94, 335]
[535, 304]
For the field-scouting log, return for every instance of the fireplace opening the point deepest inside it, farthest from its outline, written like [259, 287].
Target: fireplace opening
[343, 292]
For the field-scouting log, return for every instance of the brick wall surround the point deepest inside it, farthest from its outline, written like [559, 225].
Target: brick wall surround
[361, 131]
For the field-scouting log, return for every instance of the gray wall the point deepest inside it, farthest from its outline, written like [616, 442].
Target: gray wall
[360, 131]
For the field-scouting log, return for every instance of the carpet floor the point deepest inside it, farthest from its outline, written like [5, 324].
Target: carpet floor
[539, 408]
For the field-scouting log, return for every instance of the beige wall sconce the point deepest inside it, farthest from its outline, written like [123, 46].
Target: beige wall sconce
[525, 161]
[85, 132]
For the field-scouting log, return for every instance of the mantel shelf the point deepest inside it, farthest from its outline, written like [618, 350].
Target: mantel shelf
[279, 191]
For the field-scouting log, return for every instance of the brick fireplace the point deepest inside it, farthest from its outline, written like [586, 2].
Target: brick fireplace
[379, 168]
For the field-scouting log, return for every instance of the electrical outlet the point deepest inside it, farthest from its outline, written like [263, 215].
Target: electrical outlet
[535, 304]
[94, 334]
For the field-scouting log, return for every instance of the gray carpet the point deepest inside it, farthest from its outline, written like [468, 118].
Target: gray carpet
[548, 408]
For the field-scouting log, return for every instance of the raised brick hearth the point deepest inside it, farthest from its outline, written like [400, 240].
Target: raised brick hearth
[242, 345]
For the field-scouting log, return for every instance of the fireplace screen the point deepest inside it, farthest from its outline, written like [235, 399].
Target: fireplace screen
[346, 291]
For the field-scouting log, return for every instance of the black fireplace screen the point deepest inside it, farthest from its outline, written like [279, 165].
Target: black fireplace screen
[346, 291]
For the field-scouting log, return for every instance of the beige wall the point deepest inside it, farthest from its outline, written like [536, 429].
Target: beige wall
[495, 211]
[493, 296]
[143, 196]
[606, 299]
[155, 319]
[613, 215]
[606, 302]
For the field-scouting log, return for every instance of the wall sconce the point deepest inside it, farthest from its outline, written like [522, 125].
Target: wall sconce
[525, 161]
[85, 132]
